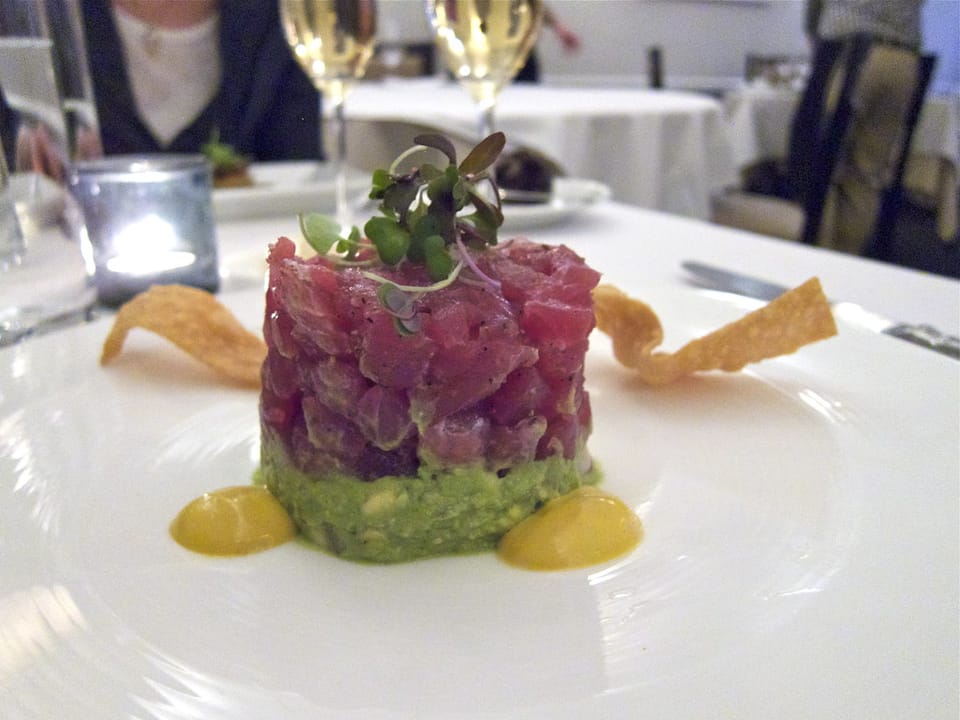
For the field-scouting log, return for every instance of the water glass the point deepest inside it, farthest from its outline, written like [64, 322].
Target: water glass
[46, 271]
[149, 220]
[65, 29]
[12, 245]
[46, 85]
[46, 277]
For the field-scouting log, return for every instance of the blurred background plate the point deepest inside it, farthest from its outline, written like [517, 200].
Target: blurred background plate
[570, 196]
[287, 187]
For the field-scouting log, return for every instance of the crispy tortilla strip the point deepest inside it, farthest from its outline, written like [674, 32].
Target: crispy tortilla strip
[197, 323]
[796, 318]
[632, 325]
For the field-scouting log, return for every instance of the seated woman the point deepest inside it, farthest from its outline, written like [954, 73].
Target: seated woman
[169, 75]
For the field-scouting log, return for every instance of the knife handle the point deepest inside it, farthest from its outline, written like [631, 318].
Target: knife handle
[928, 337]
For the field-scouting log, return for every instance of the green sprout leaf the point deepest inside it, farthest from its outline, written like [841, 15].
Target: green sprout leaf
[390, 239]
[399, 196]
[426, 226]
[396, 301]
[402, 305]
[428, 172]
[437, 258]
[408, 327]
[483, 155]
[380, 181]
[350, 245]
[322, 232]
[438, 142]
[440, 188]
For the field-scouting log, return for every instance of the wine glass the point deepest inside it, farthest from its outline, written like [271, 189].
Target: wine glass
[484, 43]
[333, 40]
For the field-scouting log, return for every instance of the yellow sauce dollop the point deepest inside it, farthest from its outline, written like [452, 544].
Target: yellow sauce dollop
[583, 527]
[233, 521]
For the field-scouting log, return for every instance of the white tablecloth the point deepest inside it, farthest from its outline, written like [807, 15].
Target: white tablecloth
[759, 119]
[658, 149]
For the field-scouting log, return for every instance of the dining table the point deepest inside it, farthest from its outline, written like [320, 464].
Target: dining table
[799, 556]
[661, 149]
[659, 242]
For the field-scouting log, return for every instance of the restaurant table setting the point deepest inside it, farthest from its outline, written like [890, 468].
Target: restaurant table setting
[797, 555]
[799, 516]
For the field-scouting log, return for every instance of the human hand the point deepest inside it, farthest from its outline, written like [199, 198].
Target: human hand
[88, 145]
[37, 152]
[568, 38]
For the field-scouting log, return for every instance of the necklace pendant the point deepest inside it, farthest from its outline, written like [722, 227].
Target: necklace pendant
[152, 43]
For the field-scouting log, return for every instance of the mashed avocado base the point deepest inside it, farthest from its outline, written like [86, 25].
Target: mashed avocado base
[436, 512]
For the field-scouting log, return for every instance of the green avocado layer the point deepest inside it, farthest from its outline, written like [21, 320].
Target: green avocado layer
[436, 512]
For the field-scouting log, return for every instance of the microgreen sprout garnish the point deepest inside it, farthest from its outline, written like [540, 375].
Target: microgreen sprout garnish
[400, 300]
[223, 157]
[323, 234]
[424, 219]
[400, 304]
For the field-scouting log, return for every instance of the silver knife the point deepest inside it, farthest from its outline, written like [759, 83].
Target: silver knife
[715, 278]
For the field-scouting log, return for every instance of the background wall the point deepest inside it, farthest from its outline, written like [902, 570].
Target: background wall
[941, 34]
[704, 42]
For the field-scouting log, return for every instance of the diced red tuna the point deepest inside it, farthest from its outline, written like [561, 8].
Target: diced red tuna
[494, 378]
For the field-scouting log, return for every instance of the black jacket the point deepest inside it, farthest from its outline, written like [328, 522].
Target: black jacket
[266, 107]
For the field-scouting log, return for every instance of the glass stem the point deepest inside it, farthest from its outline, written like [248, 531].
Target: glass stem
[486, 119]
[343, 214]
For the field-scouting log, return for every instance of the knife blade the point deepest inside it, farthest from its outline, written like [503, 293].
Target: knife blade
[717, 278]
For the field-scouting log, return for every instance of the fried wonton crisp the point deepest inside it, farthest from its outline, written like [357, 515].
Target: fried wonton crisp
[197, 323]
[796, 318]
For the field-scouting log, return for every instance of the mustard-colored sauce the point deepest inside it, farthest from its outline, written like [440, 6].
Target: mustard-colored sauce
[233, 521]
[584, 527]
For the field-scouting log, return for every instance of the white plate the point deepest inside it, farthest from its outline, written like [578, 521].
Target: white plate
[800, 557]
[284, 188]
[570, 196]
[287, 188]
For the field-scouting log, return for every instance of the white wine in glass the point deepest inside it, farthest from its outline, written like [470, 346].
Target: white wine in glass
[484, 43]
[333, 40]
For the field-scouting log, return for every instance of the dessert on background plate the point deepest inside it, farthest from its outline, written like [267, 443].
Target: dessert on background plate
[230, 168]
[525, 175]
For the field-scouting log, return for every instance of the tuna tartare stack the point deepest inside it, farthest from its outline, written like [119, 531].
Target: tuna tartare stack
[423, 398]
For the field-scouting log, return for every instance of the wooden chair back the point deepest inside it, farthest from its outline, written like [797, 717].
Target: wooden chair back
[820, 125]
[892, 198]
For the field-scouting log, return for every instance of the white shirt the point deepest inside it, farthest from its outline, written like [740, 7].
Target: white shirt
[174, 74]
[893, 20]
